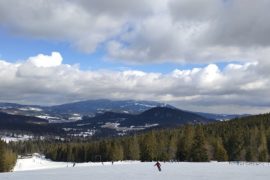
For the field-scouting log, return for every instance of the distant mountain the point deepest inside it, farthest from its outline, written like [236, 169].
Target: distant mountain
[99, 117]
[169, 117]
[10, 105]
[71, 112]
[123, 123]
[91, 107]
[103, 124]
[221, 117]
[75, 111]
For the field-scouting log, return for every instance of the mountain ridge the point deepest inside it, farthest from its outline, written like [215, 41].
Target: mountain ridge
[94, 107]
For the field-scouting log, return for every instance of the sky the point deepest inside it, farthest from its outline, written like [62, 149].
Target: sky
[209, 56]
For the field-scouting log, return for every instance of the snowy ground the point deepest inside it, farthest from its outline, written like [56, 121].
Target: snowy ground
[38, 162]
[8, 139]
[135, 171]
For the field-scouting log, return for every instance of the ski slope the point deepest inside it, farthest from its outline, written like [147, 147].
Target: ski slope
[37, 168]
[38, 162]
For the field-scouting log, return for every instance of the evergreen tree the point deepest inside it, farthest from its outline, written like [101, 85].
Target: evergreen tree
[132, 149]
[103, 150]
[263, 149]
[7, 158]
[172, 147]
[252, 145]
[116, 152]
[10, 160]
[148, 147]
[185, 144]
[199, 152]
[235, 145]
[220, 152]
[162, 148]
[70, 155]
[2, 156]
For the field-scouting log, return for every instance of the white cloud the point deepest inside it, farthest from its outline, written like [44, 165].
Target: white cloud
[144, 31]
[196, 31]
[61, 20]
[202, 89]
[46, 61]
[147, 31]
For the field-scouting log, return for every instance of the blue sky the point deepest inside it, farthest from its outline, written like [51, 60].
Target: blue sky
[207, 56]
[16, 48]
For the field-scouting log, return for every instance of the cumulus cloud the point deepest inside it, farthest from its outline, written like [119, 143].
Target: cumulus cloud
[210, 88]
[144, 31]
[46, 61]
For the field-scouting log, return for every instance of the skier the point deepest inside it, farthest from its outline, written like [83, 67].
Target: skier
[158, 166]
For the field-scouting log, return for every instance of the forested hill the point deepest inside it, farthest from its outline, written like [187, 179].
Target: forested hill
[161, 116]
[27, 124]
[247, 138]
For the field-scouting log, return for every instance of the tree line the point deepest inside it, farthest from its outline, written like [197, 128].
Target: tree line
[244, 139]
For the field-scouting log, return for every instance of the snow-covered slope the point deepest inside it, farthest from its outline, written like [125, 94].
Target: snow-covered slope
[137, 171]
[38, 162]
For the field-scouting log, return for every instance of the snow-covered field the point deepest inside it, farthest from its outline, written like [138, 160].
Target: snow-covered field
[27, 169]
[8, 139]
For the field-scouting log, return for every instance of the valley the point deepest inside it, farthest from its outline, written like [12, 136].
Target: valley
[97, 118]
